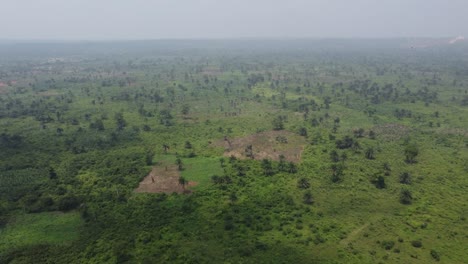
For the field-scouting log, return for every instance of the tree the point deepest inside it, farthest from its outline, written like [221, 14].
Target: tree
[334, 156]
[183, 182]
[411, 152]
[282, 163]
[292, 167]
[346, 142]
[278, 123]
[327, 102]
[52, 173]
[405, 178]
[405, 196]
[379, 182]
[98, 125]
[267, 167]
[149, 157]
[303, 132]
[185, 109]
[308, 199]
[435, 255]
[303, 183]
[359, 133]
[249, 152]
[337, 173]
[370, 153]
[120, 121]
[233, 197]
[179, 164]
[387, 168]
[165, 147]
[188, 145]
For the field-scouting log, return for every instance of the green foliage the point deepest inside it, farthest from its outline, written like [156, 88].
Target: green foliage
[435, 255]
[416, 243]
[411, 152]
[405, 196]
[405, 178]
[278, 123]
[80, 134]
[387, 244]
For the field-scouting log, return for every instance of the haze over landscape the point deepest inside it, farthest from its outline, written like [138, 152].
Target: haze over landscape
[182, 19]
[249, 131]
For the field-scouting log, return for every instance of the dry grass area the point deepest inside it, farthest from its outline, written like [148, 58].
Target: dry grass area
[269, 144]
[391, 131]
[163, 179]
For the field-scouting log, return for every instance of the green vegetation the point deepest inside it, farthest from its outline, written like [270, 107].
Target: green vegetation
[321, 152]
[29, 230]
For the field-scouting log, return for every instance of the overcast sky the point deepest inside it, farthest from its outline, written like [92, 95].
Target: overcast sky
[162, 19]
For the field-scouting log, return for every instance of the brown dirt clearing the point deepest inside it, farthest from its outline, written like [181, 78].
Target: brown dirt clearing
[163, 179]
[265, 145]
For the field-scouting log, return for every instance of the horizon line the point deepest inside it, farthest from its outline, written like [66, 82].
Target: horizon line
[31, 40]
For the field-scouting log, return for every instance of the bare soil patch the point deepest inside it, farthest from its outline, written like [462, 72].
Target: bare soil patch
[163, 179]
[265, 145]
[391, 131]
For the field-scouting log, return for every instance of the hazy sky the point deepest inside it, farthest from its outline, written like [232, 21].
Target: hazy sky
[155, 19]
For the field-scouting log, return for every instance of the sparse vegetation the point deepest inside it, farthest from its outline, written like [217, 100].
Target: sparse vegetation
[227, 152]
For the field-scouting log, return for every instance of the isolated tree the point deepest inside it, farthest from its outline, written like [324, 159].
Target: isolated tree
[387, 168]
[334, 156]
[303, 132]
[303, 183]
[52, 173]
[411, 152]
[179, 164]
[278, 123]
[370, 153]
[97, 124]
[185, 109]
[188, 145]
[308, 199]
[249, 151]
[359, 132]
[337, 172]
[183, 182]
[315, 122]
[405, 178]
[120, 121]
[405, 196]
[165, 147]
[379, 182]
[327, 102]
[233, 197]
